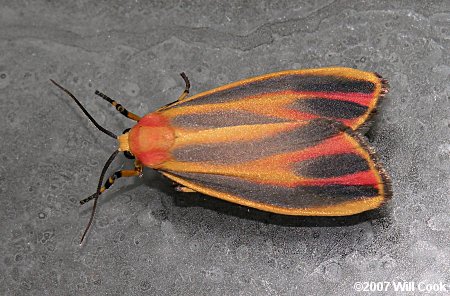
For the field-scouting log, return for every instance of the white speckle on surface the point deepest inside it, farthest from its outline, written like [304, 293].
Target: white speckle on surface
[194, 246]
[333, 271]
[146, 219]
[444, 149]
[214, 274]
[4, 80]
[330, 270]
[168, 230]
[131, 89]
[439, 222]
[388, 263]
[425, 251]
[140, 238]
[441, 73]
[242, 253]
[168, 83]
[301, 268]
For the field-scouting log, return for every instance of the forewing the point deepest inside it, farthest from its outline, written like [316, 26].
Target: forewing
[316, 167]
[341, 94]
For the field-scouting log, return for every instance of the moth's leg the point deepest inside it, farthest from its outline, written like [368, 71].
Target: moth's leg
[183, 95]
[137, 171]
[119, 107]
[185, 92]
[181, 188]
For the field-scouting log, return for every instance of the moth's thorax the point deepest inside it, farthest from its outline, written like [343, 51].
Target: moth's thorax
[150, 139]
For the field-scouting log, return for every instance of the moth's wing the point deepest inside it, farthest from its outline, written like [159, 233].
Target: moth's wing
[340, 94]
[313, 168]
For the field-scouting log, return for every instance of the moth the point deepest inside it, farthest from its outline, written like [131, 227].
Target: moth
[286, 142]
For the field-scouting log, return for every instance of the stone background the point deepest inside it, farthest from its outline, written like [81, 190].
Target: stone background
[149, 239]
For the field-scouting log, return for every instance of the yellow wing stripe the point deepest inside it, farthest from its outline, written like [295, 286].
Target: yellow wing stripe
[342, 209]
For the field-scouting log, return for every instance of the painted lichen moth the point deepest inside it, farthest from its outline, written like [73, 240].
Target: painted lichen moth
[286, 143]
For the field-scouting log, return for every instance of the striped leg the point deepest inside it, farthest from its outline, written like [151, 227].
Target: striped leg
[186, 88]
[183, 95]
[119, 174]
[119, 107]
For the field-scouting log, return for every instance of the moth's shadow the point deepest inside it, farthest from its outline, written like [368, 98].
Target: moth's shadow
[187, 200]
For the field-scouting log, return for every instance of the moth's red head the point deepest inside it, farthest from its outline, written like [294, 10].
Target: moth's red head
[149, 140]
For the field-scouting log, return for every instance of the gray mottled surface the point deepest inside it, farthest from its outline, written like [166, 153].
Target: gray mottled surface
[149, 239]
